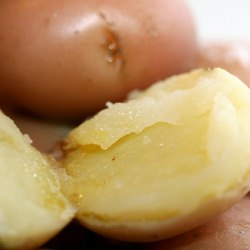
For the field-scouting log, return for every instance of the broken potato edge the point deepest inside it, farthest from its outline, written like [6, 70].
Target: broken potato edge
[33, 208]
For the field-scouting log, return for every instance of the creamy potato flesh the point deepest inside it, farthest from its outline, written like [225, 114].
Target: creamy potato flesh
[161, 157]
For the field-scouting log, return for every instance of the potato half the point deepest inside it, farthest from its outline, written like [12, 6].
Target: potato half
[32, 207]
[166, 161]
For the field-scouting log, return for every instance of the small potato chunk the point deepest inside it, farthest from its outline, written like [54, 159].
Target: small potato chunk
[165, 161]
[32, 207]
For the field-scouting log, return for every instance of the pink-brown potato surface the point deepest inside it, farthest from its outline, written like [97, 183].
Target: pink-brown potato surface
[232, 56]
[66, 59]
[229, 231]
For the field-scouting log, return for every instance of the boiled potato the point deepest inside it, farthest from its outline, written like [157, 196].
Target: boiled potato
[164, 162]
[32, 209]
[66, 59]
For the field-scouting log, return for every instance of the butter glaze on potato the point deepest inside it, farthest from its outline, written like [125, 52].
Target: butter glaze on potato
[165, 161]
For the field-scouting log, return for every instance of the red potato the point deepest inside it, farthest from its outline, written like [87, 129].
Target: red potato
[232, 56]
[66, 59]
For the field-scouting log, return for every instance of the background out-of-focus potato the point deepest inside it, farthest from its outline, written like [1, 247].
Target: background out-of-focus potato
[66, 59]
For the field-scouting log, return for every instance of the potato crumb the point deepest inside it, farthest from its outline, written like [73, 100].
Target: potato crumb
[28, 139]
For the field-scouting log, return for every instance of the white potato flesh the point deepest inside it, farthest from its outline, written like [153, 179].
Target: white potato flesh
[146, 169]
[32, 209]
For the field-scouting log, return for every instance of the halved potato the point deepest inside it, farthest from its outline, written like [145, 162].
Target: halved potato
[164, 162]
[32, 207]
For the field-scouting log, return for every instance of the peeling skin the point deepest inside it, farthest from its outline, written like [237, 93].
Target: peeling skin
[111, 46]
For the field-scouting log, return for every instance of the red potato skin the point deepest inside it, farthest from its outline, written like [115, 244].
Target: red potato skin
[233, 56]
[229, 231]
[66, 59]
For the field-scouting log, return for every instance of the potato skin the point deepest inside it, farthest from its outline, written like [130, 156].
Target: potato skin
[229, 231]
[233, 56]
[65, 59]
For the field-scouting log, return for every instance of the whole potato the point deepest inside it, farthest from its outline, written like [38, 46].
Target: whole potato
[66, 59]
